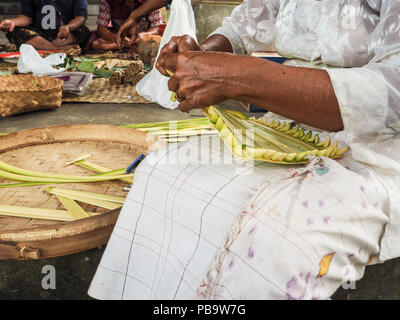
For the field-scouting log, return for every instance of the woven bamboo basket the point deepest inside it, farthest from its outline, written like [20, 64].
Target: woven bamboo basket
[26, 93]
[49, 150]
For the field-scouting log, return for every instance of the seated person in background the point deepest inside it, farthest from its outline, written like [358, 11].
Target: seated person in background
[48, 24]
[121, 23]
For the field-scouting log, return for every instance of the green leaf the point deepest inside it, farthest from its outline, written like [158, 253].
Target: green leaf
[5, 73]
[86, 66]
[103, 73]
[257, 139]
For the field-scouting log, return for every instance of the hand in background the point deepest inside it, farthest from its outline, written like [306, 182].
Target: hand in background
[63, 32]
[126, 42]
[133, 35]
[7, 25]
[129, 27]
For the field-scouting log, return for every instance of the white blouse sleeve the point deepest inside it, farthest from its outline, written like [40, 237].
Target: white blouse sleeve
[369, 96]
[250, 26]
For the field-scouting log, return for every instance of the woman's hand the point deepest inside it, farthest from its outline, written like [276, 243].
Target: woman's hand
[199, 78]
[7, 25]
[132, 35]
[205, 78]
[128, 26]
[63, 32]
[175, 45]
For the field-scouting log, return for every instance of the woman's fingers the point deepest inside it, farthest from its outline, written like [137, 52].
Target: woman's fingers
[193, 103]
[118, 39]
[169, 48]
[194, 78]
[175, 45]
[121, 34]
[187, 43]
[7, 25]
[173, 84]
[185, 106]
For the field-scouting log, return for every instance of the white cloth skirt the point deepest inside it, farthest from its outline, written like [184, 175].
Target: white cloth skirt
[199, 225]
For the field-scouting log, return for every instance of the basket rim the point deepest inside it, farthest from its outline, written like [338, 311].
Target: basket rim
[60, 230]
[54, 84]
[38, 136]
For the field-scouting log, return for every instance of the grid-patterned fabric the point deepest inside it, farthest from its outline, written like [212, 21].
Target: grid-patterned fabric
[198, 226]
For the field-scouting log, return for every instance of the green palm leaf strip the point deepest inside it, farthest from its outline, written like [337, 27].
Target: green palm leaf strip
[272, 141]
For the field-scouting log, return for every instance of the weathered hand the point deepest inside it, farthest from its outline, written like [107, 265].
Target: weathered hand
[199, 78]
[126, 42]
[130, 26]
[175, 45]
[63, 32]
[133, 35]
[7, 25]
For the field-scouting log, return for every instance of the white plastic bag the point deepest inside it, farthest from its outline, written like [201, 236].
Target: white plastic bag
[154, 87]
[31, 61]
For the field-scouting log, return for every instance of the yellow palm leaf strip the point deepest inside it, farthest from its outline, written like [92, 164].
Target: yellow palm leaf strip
[74, 209]
[294, 144]
[25, 178]
[242, 134]
[35, 213]
[80, 158]
[103, 171]
[173, 129]
[238, 130]
[95, 202]
[307, 146]
[236, 114]
[91, 166]
[168, 124]
[278, 146]
[90, 195]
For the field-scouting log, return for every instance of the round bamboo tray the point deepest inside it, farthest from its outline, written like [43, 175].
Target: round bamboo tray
[50, 149]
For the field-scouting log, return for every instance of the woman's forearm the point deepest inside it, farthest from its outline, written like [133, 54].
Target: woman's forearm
[22, 21]
[302, 94]
[76, 23]
[106, 34]
[202, 78]
[146, 8]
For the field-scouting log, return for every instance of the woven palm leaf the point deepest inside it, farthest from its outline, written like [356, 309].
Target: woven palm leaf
[25, 93]
[272, 141]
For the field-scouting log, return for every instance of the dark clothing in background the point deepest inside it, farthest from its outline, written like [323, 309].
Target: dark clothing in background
[20, 35]
[66, 10]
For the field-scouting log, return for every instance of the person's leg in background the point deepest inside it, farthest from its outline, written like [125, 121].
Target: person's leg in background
[29, 35]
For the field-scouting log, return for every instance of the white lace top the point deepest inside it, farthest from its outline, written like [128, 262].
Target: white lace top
[358, 43]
